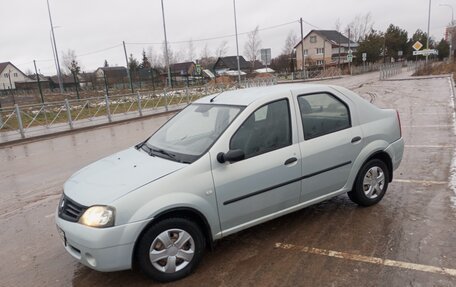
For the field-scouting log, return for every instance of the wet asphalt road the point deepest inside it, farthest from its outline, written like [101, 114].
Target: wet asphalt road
[415, 223]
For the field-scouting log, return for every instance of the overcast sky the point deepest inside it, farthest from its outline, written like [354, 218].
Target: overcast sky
[95, 29]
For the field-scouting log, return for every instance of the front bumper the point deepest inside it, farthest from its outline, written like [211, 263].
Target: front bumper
[102, 249]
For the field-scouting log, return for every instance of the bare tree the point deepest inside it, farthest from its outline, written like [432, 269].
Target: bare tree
[206, 58]
[70, 62]
[290, 43]
[205, 53]
[360, 27]
[222, 49]
[190, 51]
[154, 59]
[338, 25]
[252, 46]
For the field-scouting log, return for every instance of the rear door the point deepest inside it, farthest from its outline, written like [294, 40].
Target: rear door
[332, 140]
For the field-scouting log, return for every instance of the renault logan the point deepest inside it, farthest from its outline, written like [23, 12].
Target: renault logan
[225, 163]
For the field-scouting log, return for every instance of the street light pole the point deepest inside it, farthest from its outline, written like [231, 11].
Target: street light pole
[452, 12]
[59, 73]
[237, 44]
[428, 28]
[166, 47]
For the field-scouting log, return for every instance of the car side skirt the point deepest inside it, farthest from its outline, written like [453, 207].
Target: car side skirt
[268, 217]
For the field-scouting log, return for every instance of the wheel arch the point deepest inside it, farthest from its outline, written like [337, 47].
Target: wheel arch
[385, 157]
[181, 212]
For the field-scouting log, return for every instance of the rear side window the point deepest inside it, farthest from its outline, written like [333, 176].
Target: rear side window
[322, 114]
[266, 129]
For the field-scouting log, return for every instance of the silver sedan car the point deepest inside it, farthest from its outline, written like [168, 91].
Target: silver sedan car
[225, 163]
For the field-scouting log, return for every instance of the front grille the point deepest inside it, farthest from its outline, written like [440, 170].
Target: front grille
[69, 209]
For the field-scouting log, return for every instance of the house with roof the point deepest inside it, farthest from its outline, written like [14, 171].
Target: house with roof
[184, 69]
[228, 66]
[32, 83]
[113, 74]
[324, 47]
[10, 75]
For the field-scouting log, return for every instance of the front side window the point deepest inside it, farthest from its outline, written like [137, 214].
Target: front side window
[191, 132]
[322, 114]
[320, 50]
[266, 129]
[313, 39]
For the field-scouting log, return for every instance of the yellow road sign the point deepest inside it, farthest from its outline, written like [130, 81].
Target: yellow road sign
[417, 45]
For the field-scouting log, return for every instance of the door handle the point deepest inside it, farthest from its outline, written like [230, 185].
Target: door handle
[355, 139]
[290, 161]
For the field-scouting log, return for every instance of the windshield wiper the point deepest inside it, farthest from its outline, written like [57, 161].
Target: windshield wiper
[145, 148]
[163, 152]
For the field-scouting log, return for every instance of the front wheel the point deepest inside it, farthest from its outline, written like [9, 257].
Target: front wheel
[371, 183]
[170, 249]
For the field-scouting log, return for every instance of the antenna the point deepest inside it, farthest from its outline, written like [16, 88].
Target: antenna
[212, 100]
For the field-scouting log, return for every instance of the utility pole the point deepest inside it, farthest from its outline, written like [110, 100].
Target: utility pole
[59, 73]
[303, 60]
[39, 82]
[324, 54]
[349, 62]
[170, 84]
[237, 44]
[428, 28]
[338, 63]
[128, 67]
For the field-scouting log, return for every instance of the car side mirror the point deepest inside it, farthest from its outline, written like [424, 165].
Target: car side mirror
[231, 156]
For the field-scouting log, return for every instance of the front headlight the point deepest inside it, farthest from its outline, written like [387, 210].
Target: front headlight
[98, 216]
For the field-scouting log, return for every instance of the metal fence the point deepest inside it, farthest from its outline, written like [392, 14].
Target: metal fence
[49, 117]
[390, 70]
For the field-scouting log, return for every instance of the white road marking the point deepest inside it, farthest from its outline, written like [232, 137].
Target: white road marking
[50, 215]
[436, 113]
[419, 181]
[368, 259]
[429, 146]
[427, 126]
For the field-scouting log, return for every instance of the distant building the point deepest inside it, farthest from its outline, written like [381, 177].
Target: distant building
[324, 47]
[183, 69]
[228, 65]
[10, 75]
[112, 73]
[32, 83]
[68, 82]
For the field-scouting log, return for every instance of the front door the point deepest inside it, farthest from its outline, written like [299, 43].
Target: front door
[267, 180]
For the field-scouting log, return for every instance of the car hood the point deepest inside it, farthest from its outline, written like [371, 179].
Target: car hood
[114, 176]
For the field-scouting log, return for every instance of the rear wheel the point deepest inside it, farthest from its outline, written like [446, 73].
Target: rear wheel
[371, 183]
[170, 249]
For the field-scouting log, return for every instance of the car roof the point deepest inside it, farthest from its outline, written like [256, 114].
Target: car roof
[244, 97]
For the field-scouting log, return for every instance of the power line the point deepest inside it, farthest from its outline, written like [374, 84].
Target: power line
[98, 51]
[216, 37]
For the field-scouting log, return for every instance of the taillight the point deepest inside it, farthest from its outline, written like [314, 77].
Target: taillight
[399, 120]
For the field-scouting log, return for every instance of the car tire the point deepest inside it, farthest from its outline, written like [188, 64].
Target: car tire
[170, 249]
[371, 183]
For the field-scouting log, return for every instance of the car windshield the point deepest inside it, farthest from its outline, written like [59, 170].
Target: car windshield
[192, 131]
